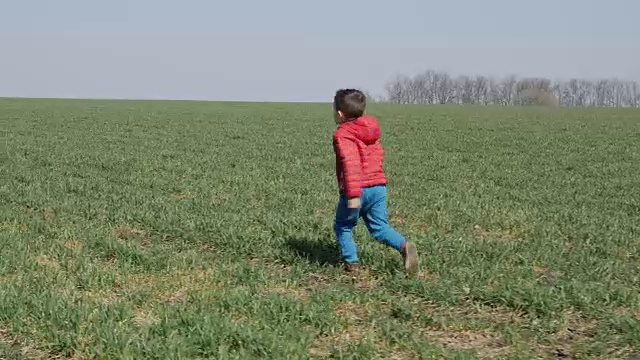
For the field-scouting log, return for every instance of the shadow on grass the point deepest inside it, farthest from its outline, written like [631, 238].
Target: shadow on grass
[314, 251]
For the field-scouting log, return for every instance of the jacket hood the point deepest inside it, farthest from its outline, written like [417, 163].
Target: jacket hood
[365, 129]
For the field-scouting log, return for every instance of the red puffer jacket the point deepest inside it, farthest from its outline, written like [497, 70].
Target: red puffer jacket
[359, 155]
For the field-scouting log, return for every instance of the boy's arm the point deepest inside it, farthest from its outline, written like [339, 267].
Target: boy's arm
[349, 156]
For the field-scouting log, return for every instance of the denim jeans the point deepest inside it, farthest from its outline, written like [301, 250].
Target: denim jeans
[373, 210]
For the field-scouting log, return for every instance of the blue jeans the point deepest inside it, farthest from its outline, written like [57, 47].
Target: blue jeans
[373, 210]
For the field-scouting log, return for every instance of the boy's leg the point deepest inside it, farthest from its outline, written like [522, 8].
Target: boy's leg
[374, 213]
[345, 220]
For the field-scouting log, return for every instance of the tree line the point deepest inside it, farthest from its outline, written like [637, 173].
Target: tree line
[436, 87]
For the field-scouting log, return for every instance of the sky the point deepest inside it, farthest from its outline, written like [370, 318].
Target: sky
[288, 50]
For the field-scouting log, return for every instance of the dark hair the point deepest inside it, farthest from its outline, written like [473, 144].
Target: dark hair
[351, 102]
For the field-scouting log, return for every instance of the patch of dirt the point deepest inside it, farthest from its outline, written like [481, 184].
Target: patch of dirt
[144, 318]
[48, 213]
[359, 329]
[72, 244]
[354, 332]
[546, 275]
[166, 288]
[573, 331]
[322, 213]
[271, 265]
[493, 315]
[300, 294]
[318, 281]
[413, 224]
[7, 278]
[448, 323]
[26, 351]
[219, 198]
[17, 228]
[4, 337]
[450, 326]
[396, 220]
[178, 296]
[47, 262]
[182, 195]
[425, 276]
[540, 270]
[363, 279]
[486, 344]
[172, 288]
[102, 296]
[354, 312]
[501, 235]
[124, 233]
[635, 314]
[323, 345]
[627, 352]
[397, 355]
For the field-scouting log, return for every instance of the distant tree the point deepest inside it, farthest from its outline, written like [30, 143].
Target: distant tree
[538, 97]
[465, 85]
[535, 91]
[372, 98]
[437, 87]
[481, 90]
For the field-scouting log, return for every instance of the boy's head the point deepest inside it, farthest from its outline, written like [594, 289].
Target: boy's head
[348, 104]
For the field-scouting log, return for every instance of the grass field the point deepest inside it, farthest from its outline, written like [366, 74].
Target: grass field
[191, 230]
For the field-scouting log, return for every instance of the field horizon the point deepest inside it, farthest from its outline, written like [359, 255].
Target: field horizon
[196, 229]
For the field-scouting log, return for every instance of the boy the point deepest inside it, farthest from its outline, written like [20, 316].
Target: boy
[361, 180]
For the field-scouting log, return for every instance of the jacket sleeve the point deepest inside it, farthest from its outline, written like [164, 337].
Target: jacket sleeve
[349, 156]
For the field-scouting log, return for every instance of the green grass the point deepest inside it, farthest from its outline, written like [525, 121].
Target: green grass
[185, 230]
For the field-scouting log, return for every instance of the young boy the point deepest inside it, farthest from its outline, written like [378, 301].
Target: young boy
[362, 183]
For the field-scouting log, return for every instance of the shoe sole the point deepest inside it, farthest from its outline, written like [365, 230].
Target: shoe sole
[411, 263]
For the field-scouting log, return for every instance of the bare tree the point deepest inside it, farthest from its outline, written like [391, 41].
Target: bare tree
[372, 98]
[634, 91]
[465, 87]
[427, 82]
[480, 90]
[395, 89]
[443, 88]
[434, 87]
[509, 90]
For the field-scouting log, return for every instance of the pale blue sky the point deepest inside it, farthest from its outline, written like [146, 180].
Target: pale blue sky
[286, 50]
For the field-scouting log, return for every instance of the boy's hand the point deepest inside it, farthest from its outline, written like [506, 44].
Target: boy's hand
[353, 203]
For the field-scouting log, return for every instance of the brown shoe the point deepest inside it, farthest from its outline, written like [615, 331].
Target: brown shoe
[410, 257]
[351, 267]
